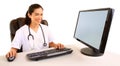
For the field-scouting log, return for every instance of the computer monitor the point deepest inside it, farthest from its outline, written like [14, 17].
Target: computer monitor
[92, 29]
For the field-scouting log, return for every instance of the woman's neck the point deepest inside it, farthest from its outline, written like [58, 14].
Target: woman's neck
[34, 27]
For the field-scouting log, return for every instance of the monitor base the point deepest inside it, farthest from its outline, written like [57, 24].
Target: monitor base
[90, 52]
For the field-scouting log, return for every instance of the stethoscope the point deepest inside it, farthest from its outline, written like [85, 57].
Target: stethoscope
[44, 44]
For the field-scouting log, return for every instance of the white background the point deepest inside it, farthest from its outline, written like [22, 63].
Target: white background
[62, 17]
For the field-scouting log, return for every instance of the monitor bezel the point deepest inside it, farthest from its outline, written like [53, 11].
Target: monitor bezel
[105, 31]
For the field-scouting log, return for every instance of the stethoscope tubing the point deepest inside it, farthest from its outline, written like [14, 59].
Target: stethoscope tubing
[44, 44]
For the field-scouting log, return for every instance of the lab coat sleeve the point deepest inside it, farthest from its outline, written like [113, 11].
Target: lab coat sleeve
[50, 36]
[16, 43]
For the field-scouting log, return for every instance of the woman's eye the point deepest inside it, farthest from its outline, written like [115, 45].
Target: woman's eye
[41, 14]
[36, 14]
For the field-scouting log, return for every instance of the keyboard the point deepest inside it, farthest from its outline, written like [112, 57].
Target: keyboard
[48, 53]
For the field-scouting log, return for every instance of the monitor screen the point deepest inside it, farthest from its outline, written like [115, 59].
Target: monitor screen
[92, 29]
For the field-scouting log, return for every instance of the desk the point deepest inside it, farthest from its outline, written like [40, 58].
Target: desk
[73, 59]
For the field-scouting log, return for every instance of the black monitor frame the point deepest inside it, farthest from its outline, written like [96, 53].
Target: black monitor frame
[90, 50]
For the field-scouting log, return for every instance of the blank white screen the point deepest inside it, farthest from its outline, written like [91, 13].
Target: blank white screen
[90, 27]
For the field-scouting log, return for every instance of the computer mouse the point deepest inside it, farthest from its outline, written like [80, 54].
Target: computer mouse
[10, 58]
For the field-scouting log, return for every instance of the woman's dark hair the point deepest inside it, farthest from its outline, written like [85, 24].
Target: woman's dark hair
[30, 11]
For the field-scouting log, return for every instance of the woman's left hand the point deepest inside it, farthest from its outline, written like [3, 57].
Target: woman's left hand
[59, 46]
[56, 45]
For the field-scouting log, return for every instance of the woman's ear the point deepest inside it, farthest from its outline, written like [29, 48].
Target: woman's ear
[29, 15]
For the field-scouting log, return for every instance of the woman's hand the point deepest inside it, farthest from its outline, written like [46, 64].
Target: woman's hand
[57, 46]
[12, 53]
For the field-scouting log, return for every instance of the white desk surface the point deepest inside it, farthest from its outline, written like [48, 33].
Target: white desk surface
[73, 59]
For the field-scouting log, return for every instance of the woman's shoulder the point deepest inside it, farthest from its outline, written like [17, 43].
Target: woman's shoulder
[44, 26]
[24, 27]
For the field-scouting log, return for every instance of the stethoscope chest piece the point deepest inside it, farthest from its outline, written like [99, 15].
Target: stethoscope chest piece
[44, 44]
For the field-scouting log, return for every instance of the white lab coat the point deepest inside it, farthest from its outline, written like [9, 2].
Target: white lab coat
[21, 38]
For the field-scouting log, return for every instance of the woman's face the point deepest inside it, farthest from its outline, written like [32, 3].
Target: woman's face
[36, 16]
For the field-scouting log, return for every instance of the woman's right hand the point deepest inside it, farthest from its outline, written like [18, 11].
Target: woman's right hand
[11, 53]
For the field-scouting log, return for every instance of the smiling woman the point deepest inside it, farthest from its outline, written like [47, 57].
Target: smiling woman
[33, 35]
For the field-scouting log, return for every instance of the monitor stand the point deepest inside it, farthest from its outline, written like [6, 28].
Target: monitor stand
[90, 52]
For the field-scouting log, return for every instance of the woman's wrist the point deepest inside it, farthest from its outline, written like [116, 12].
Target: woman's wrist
[52, 44]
